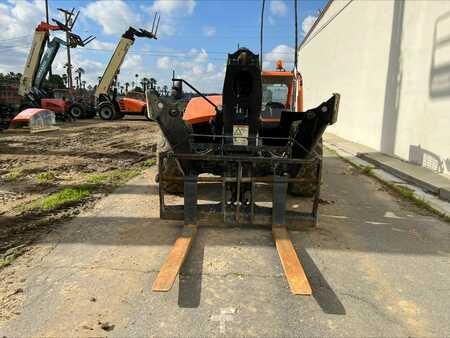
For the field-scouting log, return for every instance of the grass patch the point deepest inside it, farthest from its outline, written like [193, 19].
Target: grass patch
[104, 182]
[63, 197]
[150, 162]
[113, 178]
[14, 175]
[409, 194]
[47, 177]
[97, 179]
[5, 262]
[367, 170]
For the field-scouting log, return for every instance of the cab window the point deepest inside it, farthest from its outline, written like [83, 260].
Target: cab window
[276, 92]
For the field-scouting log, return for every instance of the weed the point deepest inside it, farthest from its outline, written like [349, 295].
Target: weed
[47, 177]
[97, 179]
[367, 170]
[149, 163]
[14, 175]
[63, 197]
[113, 178]
[5, 262]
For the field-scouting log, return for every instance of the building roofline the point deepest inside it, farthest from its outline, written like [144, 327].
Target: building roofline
[322, 13]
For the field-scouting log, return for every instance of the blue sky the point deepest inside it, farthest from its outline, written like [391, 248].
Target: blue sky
[193, 38]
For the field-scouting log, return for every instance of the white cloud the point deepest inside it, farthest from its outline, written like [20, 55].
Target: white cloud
[170, 10]
[209, 31]
[278, 8]
[93, 69]
[132, 61]
[211, 67]
[113, 16]
[173, 7]
[164, 63]
[280, 52]
[307, 23]
[18, 20]
[97, 44]
[194, 67]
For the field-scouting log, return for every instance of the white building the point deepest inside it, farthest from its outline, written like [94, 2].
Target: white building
[390, 61]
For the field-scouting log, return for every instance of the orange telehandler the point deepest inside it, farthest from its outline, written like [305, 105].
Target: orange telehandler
[255, 137]
[108, 106]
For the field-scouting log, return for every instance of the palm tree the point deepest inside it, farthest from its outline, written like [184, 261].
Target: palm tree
[144, 83]
[132, 85]
[79, 71]
[127, 84]
[121, 89]
[165, 90]
[152, 83]
[84, 84]
[99, 79]
[64, 77]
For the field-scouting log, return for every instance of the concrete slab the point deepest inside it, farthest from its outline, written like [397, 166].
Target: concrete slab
[378, 266]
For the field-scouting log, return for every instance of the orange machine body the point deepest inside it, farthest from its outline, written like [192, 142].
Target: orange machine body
[199, 110]
[131, 106]
[56, 105]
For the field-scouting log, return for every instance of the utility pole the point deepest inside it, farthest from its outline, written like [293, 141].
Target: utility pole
[69, 64]
[46, 19]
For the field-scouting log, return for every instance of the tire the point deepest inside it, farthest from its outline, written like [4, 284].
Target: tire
[76, 111]
[169, 168]
[310, 171]
[106, 111]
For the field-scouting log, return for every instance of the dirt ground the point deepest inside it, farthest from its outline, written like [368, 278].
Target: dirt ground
[47, 176]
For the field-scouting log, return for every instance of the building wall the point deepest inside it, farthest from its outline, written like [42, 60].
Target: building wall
[390, 61]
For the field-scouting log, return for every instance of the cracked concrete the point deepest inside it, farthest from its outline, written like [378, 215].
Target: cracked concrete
[372, 274]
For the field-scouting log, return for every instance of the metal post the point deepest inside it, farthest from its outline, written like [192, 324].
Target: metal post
[69, 64]
[46, 19]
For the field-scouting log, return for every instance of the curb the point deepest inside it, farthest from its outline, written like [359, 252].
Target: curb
[437, 205]
[443, 193]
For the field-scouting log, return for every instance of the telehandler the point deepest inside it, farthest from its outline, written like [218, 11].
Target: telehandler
[254, 136]
[108, 106]
[38, 65]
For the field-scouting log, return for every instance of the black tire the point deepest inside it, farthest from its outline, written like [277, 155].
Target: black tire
[169, 168]
[76, 111]
[310, 171]
[106, 111]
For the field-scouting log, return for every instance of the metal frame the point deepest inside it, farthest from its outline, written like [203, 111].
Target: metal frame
[224, 212]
